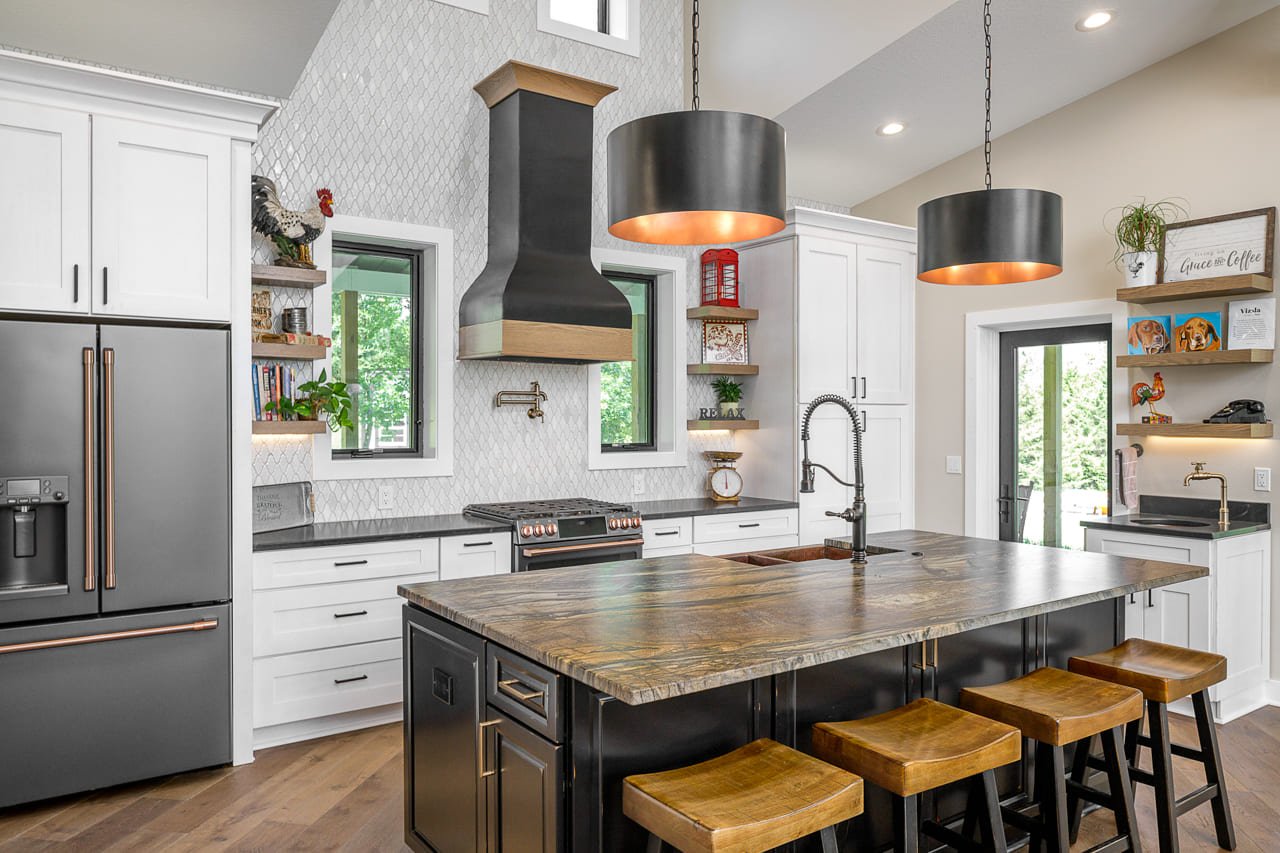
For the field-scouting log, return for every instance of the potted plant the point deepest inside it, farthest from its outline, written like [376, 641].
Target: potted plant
[729, 393]
[1139, 236]
[318, 398]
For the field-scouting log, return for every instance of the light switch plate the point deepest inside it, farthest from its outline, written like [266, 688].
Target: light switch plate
[1262, 479]
[953, 465]
[386, 496]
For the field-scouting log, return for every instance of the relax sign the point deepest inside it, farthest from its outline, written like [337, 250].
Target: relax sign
[1236, 244]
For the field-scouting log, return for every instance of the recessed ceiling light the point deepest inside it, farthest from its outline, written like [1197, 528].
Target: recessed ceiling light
[1094, 20]
[892, 128]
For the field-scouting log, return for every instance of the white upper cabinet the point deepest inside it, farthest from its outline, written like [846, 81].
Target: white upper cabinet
[884, 320]
[827, 310]
[161, 221]
[44, 211]
[888, 467]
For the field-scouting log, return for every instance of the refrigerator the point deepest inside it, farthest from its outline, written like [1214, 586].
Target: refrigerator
[115, 566]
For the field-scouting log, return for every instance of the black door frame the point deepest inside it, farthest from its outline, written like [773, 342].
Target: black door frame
[1010, 342]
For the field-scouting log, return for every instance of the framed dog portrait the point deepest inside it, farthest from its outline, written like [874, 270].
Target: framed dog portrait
[1149, 335]
[1198, 332]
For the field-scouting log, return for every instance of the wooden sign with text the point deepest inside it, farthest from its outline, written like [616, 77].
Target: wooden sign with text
[1234, 244]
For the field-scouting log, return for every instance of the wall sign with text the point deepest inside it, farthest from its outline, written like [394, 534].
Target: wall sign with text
[1234, 244]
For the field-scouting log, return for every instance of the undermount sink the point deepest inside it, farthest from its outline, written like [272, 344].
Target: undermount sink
[1170, 522]
[803, 554]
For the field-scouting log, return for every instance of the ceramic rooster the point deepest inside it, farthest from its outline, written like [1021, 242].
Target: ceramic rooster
[1148, 394]
[292, 231]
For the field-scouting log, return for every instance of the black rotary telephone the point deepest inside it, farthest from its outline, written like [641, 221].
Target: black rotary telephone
[1239, 412]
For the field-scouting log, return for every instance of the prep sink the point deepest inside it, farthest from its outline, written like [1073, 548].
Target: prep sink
[803, 554]
[1170, 522]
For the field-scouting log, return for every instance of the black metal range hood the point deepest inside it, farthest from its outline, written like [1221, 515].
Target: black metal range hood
[539, 298]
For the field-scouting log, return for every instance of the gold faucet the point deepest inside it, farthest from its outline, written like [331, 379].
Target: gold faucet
[1224, 515]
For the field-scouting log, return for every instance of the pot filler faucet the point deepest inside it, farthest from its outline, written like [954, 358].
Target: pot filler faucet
[1224, 514]
[856, 515]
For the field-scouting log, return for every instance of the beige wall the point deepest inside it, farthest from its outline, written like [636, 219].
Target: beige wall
[1203, 125]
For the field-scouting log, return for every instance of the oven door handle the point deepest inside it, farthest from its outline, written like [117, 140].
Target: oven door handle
[586, 546]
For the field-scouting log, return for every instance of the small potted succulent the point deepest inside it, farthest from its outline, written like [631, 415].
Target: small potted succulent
[1139, 236]
[318, 399]
[729, 393]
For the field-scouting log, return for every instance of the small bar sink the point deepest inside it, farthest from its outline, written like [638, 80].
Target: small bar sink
[1170, 522]
[803, 554]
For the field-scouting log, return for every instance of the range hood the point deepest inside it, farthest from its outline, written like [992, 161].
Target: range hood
[539, 298]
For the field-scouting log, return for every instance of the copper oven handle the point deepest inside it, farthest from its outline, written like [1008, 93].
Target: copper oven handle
[592, 546]
[481, 740]
[85, 639]
[89, 485]
[508, 687]
[109, 467]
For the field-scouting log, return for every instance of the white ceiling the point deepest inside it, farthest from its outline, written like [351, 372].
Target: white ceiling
[250, 45]
[926, 73]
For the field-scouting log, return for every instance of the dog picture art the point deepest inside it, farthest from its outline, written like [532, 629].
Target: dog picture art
[1199, 332]
[1149, 335]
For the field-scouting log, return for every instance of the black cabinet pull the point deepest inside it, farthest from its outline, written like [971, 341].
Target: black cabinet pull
[104, 285]
[476, 544]
[75, 282]
[666, 533]
[349, 680]
[752, 524]
[352, 563]
[352, 613]
[1150, 600]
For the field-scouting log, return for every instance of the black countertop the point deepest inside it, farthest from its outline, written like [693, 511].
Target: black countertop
[1195, 518]
[424, 526]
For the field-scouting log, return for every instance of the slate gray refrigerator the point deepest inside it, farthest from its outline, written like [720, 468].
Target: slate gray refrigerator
[115, 578]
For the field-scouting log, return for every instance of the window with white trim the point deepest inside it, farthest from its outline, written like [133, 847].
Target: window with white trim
[603, 23]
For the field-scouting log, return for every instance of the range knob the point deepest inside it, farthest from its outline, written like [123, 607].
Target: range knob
[539, 530]
[552, 529]
[635, 522]
[613, 524]
[527, 530]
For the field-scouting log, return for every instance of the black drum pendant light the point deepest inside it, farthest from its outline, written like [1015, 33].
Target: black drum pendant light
[990, 236]
[696, 177]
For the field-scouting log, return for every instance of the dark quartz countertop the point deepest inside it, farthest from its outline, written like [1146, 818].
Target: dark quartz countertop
[1246, 517]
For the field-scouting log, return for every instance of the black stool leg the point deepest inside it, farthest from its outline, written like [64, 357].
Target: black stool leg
[1121, 789]
[655, 844]
[1132, 732]
[989, 818]
[828, 838]
[1162, 767]
[1080, 775]
[1213, 774]
[1053, 797]
[906, 824]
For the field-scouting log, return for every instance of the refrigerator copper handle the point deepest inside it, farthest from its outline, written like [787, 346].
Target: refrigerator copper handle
[481, 743]
[89, 485]
[109, 467]
[86, 639]
[587, 546]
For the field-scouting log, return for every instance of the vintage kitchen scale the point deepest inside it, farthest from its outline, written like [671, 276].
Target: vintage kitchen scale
[724, 483]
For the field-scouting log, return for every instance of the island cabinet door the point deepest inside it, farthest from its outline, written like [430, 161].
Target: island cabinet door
[525, 789]
[444, 708]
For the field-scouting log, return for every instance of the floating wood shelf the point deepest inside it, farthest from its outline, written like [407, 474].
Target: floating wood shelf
[288, 276]
[724, 369]
[289, 427]
[727, 423]
[1198, 430]
[303, 352]
[1226, 285]
[716, 312]
[1188, 359]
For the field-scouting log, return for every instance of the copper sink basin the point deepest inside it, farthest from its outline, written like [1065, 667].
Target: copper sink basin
[803, 554]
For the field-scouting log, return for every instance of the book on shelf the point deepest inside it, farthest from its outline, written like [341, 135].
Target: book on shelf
[271, 384]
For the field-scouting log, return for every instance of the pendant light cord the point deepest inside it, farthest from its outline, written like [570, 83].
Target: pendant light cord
[697, 19]
[986, 31]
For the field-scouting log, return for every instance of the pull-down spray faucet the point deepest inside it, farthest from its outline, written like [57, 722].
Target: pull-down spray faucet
[856, 515]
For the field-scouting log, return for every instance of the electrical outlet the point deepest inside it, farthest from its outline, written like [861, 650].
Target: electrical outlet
[386, 496]
[1262, 479]
[953, 465]
[637, 483]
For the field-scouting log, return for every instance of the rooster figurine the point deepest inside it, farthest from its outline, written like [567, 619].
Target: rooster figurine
[292, 231]
[1143, 393]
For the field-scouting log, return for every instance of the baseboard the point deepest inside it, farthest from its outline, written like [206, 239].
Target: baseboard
[269, 736]
[1246, 702]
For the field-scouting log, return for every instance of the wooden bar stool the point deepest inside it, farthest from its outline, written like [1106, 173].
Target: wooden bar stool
[1054, 708]
[1166, 674]
[758, 797]
[919, 747]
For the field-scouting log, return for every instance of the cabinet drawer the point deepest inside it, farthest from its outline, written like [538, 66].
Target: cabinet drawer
[304, 566]
[667, 552]
[667, 533]
[475, 556]
[332, 681]
[527, 691]
[317, 617]
[745, 525]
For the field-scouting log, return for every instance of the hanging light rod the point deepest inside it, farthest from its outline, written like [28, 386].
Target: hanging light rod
[697, 176]
[990, 236]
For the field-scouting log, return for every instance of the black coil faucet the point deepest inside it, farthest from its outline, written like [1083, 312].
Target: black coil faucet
[856, 515]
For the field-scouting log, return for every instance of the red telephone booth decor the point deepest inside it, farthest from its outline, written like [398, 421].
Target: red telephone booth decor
[720, 278]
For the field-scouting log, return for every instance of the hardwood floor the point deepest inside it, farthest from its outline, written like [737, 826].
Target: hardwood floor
[344, 793]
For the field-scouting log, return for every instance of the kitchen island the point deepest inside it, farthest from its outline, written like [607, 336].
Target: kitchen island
[528, 698]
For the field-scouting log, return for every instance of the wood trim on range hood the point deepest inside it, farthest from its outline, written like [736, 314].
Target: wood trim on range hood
[539, 297]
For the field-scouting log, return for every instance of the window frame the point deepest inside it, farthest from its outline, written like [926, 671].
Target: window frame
[670, 385]
[416, 363]
[617, 11]
[651, 302]
[435, 340]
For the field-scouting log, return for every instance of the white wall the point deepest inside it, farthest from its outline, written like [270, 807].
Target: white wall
[1201, 125]
[384, 115]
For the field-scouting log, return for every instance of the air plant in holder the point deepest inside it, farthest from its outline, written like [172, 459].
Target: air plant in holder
[729, 393]
[1139, 236]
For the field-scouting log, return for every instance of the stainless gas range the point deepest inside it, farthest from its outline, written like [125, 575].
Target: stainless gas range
[568, 532]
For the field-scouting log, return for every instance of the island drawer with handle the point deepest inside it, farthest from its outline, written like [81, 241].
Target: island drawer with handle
[307, 685]
[526, 691]
[475, 555]
[334, 563]
[745, 525]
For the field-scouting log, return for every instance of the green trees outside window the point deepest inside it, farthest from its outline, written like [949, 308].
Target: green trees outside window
[626, 387]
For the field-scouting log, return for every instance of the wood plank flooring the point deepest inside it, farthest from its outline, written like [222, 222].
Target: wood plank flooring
[344, 793]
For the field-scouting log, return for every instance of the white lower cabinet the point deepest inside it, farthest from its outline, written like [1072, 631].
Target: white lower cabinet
[735, 532]
[1227, 612]
[304, 686]
[475, 555]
